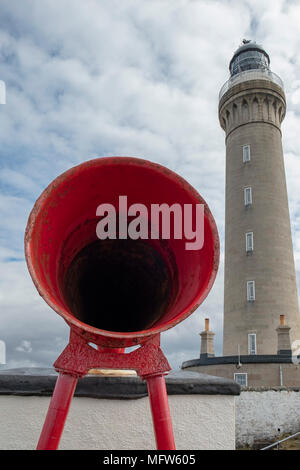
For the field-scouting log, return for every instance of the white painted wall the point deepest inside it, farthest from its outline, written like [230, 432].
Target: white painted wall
[259, 415]
[199, 421]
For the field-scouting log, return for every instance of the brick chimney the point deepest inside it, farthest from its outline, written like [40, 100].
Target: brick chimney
[207, 341]
[284, 341]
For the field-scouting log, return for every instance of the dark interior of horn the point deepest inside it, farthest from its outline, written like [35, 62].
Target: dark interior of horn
[118, 285]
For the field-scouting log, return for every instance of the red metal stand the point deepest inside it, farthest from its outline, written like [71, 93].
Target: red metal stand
[57, 412]
[162, 422]
[79, 357]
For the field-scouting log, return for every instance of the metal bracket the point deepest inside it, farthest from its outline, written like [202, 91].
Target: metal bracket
[79, 357]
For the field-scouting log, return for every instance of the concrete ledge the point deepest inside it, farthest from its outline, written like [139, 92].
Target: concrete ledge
[41, 382]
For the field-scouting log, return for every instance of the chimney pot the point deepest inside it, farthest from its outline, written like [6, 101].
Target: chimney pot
[284, 340]
[207, 341]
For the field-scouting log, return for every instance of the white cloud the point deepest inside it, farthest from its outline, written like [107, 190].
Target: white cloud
[25, 346]
[124, 78]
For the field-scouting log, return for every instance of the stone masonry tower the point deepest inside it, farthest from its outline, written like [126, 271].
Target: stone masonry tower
[260, 282]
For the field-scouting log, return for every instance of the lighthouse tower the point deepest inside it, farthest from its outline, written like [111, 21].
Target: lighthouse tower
[260, 282]
[261, 316]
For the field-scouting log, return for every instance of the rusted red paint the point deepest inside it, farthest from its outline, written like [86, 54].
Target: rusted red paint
[160, 411]
[61, 225]
[75, 361]
[62, 222]
[57, 412]
[78, 358]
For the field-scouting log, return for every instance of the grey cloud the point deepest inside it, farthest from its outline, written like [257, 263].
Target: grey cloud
[87, 79]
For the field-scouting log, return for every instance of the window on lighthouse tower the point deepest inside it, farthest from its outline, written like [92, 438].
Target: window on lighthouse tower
[250, 291]
[249, 242]
[252, 343]
[246, 153]
[248, 196]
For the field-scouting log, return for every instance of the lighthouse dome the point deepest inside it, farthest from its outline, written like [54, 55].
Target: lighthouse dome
[249, 56]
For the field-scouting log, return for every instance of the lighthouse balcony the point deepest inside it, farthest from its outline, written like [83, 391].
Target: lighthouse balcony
[247, 75]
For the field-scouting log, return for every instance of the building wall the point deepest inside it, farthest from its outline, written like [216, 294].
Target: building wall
[199, 421]
[251, 113]
[267, 375]
[265, 415]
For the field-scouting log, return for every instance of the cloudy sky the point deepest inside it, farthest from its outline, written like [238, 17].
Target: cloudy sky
[141, 78]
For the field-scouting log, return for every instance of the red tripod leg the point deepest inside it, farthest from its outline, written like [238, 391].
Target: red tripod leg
[57, 412]
[160, 412]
